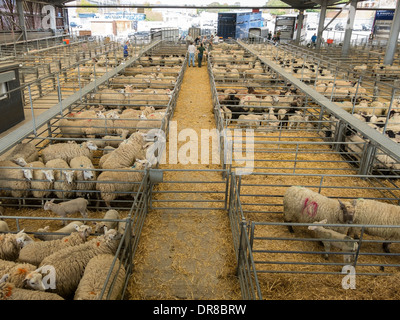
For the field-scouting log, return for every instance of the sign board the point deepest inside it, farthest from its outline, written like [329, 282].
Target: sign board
[125, 15]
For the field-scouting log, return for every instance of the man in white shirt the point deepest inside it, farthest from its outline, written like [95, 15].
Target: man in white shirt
[189, 39]
[191, 51]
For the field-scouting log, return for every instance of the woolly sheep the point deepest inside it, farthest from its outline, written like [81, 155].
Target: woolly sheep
[14, 182]
[67, 207]
[68, 229]
[35, 252]
[67, 151]
[23, 153]
[152, 121]
[85, 180]
[69, 264]
[4, 227]
[377, 213]
[346, 245]
[8, 291]
[303, 205]
[94, 278]
[42, 179]
[126, 154]
[110, 189]
[63, 179]
[101, 226]
[17, 271]
[12, 243]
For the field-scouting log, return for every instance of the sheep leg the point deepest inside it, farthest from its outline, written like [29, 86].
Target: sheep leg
[327, 247]
[385, 247]
[290, 228]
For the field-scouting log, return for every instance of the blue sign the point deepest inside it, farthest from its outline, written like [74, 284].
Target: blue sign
[125, 15]
[384, 14]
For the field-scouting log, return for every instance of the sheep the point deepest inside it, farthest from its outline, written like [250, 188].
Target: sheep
[35, 252]
[226, 114]
[347, 244]
[8, 291]
[84, 179]
[11, 244]
[303, 205]
[63, 179]
[23, 153]
[101, 226]
[109, 97]
[16, 271]
[126, 154]
[67, 151]
[153, 120]
[68, 229]
[4, 227]
[94, 278]
[42, 180]
[251, 120]
[110, 189]
[67, 207]
[377, 213]
[69, 263]
[14, 182]
[113, 141]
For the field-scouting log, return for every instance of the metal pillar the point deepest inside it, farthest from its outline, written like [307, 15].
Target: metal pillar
[300, 20]
[321, 23]
[21, 18]
[349, 27]
[393, 36]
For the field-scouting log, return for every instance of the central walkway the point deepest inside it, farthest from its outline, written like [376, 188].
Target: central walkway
[186, 249]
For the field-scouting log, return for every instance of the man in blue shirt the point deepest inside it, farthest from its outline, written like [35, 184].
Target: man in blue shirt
[126, 49]
[313, 39]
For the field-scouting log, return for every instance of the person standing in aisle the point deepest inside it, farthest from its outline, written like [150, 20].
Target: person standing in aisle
[200, 50]
[313, 40]
[191, 51]
[126, 53]
[189, 39]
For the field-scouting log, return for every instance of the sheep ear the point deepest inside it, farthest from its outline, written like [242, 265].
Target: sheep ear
[4, 278]
[52, 200]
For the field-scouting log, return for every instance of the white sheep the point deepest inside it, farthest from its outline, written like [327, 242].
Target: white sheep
[42, 179]
[23, 153]
[63, 179]
[377, 213]
[4, 227]
[113, 184]
[69, 263]
[101, 226]
[35, 252]
[94, 279]
[251, 120]
[303, 205]
[67, 151]
[45, 235]
[152, 121]
[16, 271]
[67, 207]
[12, 243]
[8, 291]
[84, 175]
[14, 182]
[347, 244]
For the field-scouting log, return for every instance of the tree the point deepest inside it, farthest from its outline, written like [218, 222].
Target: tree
[276, 3]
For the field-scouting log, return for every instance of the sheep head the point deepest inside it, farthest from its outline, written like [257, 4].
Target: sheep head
[34, 280]
[69, 175]
[348, 215]
[49, 174]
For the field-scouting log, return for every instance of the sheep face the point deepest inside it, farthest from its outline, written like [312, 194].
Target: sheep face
[49, 175]
[20, 161]
[91, 145]
[28, 174]
[69, 175]
[347, 215]
[88, 175]
[34, 281]
[23, 239]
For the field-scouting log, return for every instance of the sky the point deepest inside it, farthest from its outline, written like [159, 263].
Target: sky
[205, 2]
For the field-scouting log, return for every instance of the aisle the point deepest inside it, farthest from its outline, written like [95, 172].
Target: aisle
[187, 253]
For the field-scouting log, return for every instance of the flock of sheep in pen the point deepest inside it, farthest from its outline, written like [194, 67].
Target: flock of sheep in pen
[103, 159]
[252, 95]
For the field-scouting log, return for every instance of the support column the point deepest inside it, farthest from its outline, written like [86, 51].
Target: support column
[321, 23]
[349, 27]
[393, 36]
[21, 18]
[300, 20]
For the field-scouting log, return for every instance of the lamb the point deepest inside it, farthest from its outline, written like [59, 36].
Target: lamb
[16, 271]
[69, 263]
[377, 213]
[23, 153]
[67, 151]
[68, 229]
[347, 245]
[109, 97]
[8, 291]
[101, 226]
[63, 179]
[84, 175]
[42, 180]
[14, 182]
[110, 189]
[94, 278]
[35, 252]
[303, 205]
[11, 244]
[251, 120]
[67, 207]
[152, 121]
